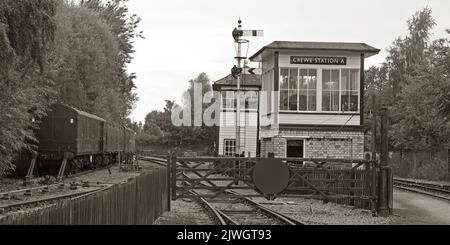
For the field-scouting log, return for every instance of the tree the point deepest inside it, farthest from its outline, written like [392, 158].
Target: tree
[414, 84]
[406, 53]
[27, 30]
[421, 113]
[183, 136]
[82, 61]
[124, 28]
[72, 52]
[198, 134]
[89, 60]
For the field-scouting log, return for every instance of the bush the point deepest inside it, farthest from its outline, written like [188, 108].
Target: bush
[432, 170]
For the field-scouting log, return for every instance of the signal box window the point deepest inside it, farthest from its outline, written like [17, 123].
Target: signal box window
[349, 89]
[229, 147]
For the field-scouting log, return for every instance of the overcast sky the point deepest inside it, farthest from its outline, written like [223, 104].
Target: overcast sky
[185, 38]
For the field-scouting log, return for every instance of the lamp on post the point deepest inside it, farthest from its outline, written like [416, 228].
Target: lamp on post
[240, 45]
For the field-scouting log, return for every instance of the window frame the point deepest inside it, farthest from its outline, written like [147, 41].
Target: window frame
[225, 146]
[245, 102]
[320, 100]
[348, 90]
[226, 98]
[338, 89]
[298, 90]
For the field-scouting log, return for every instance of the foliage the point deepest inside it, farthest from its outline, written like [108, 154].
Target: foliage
[26, 31]
[414, 84]
[124, 28]
[431, 165]
[90, 56]
[203, 133]
[158, 127]
[432, 170]
[72, 52]
[135, 126]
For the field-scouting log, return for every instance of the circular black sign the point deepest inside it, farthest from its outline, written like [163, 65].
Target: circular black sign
[271, 176]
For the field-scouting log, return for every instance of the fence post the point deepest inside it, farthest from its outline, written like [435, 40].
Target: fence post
[390, 190]
[169, 161]
[173, 168]
[448, 165]
[373, 171]
[383, 208]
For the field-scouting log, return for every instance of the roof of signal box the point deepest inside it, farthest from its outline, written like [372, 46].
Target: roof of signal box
[247, 80]
[318, 46]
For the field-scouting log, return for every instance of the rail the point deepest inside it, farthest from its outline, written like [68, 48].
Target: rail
[257, 208]
[440, 191]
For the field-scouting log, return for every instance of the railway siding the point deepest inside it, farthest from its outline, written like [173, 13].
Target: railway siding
[135, 197]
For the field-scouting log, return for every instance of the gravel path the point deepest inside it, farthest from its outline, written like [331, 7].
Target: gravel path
[184, 212]
[315, 212]
[414, 209]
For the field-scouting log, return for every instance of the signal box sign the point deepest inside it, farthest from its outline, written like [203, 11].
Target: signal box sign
[310, 60]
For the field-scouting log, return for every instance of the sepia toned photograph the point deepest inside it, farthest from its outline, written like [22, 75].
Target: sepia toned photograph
[256, 114]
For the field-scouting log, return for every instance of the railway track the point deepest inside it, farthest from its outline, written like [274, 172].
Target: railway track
[440, 191]
[43, 195]
[158, 160]
[234, 209]
[24, 198]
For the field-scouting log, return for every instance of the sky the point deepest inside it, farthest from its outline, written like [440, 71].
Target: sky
[184, 38]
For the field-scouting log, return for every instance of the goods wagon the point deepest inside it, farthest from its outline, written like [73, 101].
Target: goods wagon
[79, 140]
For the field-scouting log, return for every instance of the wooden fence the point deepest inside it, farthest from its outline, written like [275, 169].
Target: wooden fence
[139, 201]
[354, 186]
[431, 165]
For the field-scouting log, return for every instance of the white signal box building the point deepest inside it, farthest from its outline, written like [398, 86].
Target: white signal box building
[314, 99]
[226, 131]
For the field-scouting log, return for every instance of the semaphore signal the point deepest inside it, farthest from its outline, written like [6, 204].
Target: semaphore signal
[252, 71]
[237, 70]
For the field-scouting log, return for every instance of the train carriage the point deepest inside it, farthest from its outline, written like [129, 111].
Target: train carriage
[113, 137]
[69, 131]
[80, 140]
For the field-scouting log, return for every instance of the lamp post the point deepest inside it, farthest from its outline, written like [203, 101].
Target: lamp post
[236, 71]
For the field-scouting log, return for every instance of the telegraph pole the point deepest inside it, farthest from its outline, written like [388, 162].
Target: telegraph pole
[236, 72]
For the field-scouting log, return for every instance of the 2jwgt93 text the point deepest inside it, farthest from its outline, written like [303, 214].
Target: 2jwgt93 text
[226, 235]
